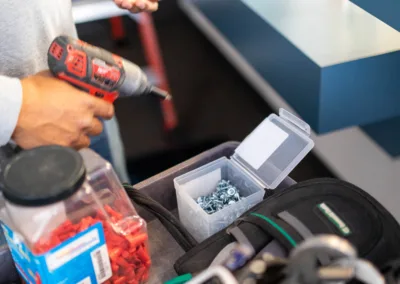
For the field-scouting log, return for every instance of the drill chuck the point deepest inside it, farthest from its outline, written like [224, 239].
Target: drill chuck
[136, 83]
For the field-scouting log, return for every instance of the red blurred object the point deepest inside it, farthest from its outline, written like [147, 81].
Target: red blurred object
[117, 28]
[129, 255]
[153, 54]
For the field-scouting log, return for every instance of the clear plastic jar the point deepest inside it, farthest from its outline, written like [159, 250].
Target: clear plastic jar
[71, 217]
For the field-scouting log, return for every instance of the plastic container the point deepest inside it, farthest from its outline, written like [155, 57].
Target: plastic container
[67, 219]
[200, 224]
[263, 160]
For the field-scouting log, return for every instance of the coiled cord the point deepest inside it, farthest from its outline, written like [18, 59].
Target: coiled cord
[170, 222]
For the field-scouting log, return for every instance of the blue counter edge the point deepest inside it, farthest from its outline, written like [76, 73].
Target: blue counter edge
[382, 132]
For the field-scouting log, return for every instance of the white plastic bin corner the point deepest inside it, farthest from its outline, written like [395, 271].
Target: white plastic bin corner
[263, 160]
[203, 181]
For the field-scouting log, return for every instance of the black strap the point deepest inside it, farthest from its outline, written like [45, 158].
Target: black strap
[170, 222]
[276, 228]
[296, 224]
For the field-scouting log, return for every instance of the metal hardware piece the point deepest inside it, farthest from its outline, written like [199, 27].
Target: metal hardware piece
[226, 194]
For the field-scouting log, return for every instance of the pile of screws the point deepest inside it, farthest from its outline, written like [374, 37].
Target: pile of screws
[225, 195]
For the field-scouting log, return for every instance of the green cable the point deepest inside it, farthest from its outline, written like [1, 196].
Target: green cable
[180, 279]
[276, 226]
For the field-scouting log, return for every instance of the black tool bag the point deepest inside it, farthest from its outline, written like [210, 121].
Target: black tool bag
[319, 206]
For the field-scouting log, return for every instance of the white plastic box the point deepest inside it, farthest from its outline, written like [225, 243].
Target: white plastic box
[263, 160]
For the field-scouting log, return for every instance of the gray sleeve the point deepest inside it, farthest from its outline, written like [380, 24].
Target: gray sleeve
[10, 106]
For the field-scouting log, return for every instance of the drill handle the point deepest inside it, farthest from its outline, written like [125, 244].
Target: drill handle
[86, 67]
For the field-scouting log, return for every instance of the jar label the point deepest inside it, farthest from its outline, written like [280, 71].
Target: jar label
[81, 259]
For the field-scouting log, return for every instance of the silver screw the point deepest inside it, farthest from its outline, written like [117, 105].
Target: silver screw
[226, 194]
[231, 191]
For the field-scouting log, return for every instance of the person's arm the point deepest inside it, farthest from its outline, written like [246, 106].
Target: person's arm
[42, 110]
[10, 106]
[137, 6]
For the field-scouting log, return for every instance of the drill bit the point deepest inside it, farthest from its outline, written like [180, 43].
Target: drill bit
[159, 93]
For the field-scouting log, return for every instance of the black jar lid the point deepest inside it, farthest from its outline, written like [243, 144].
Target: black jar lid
[43, 176]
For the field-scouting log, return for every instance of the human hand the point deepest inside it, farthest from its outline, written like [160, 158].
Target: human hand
[137, 6]
[54, 112]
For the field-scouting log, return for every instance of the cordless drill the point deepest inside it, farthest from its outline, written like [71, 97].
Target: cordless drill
[97, 71]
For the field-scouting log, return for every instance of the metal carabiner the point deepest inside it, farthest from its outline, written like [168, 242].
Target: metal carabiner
[364, 270]
[304, 268]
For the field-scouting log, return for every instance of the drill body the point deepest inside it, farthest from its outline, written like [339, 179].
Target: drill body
[97, 71]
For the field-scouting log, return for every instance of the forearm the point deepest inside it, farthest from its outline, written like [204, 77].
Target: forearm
[10, 106]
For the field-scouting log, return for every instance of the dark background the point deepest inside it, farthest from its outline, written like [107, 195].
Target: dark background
[213, 102]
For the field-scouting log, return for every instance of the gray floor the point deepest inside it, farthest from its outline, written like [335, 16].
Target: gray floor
[164, 252]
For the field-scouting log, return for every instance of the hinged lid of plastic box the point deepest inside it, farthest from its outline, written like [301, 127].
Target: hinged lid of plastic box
[274, 148]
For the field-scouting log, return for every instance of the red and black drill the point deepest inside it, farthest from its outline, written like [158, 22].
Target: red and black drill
[97, 71]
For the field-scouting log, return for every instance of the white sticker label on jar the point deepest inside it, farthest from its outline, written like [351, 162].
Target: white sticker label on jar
[261, 144]
[77, 247]
[101, 264]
